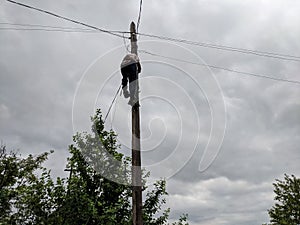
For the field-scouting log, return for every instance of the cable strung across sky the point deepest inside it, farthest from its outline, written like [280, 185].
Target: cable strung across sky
[37, 27]
[139, 17]
[48, 30]
[47, 26]
[65, 18]
[120, 34]
[228, 48]
[221, 68]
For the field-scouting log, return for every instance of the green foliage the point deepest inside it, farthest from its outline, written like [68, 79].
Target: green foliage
[16, 176]
[154, 201]
[182, 220]
[286, 210]
[87, 197]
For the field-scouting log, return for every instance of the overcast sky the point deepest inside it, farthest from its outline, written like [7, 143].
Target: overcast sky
[220, 138]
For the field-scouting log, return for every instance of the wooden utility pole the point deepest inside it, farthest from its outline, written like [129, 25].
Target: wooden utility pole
[137, 215]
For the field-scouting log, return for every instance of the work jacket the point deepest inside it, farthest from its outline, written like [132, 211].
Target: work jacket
[131, 59]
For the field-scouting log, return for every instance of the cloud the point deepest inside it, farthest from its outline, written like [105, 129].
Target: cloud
[221, 200]
[41, 71]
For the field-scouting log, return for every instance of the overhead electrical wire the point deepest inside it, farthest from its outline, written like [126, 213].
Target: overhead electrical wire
[115, 33]
[139, 17]
[227, 48]
[37, 27]
[202, 44]
[221, 68]
[46, 26]
[114, 112]
[125, 45]
[122, 33]
[55, 28]
[108, 111]
[48, 30]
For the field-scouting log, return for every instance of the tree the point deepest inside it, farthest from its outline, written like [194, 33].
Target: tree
[105, 200]
[286, 210]
[87, 196]
[16, 174]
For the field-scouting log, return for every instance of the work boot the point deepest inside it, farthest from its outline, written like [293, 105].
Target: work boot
[126, 93]
[132, 101]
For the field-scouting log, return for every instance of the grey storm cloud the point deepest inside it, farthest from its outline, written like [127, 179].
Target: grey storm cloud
[51, 82]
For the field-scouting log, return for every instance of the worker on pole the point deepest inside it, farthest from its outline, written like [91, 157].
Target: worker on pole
[130, 68]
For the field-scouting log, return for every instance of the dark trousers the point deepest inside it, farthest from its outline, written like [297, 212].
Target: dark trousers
[130, 73]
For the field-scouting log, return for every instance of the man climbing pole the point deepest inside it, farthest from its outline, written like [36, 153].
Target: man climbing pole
[130, 68]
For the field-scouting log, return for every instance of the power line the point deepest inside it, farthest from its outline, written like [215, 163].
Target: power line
[67, 29]
[139, 17]
[48, 30]
[65, 18]
[83, 30]
[56, 28]
[227, 48]
[221, 68]
[125, 45]
[114, 112]
[37, 27]
[112, 103]
[202, 44]
[46, 26]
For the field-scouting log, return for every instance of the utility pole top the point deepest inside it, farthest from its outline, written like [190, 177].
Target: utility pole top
[132, 27]
[133, 38]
